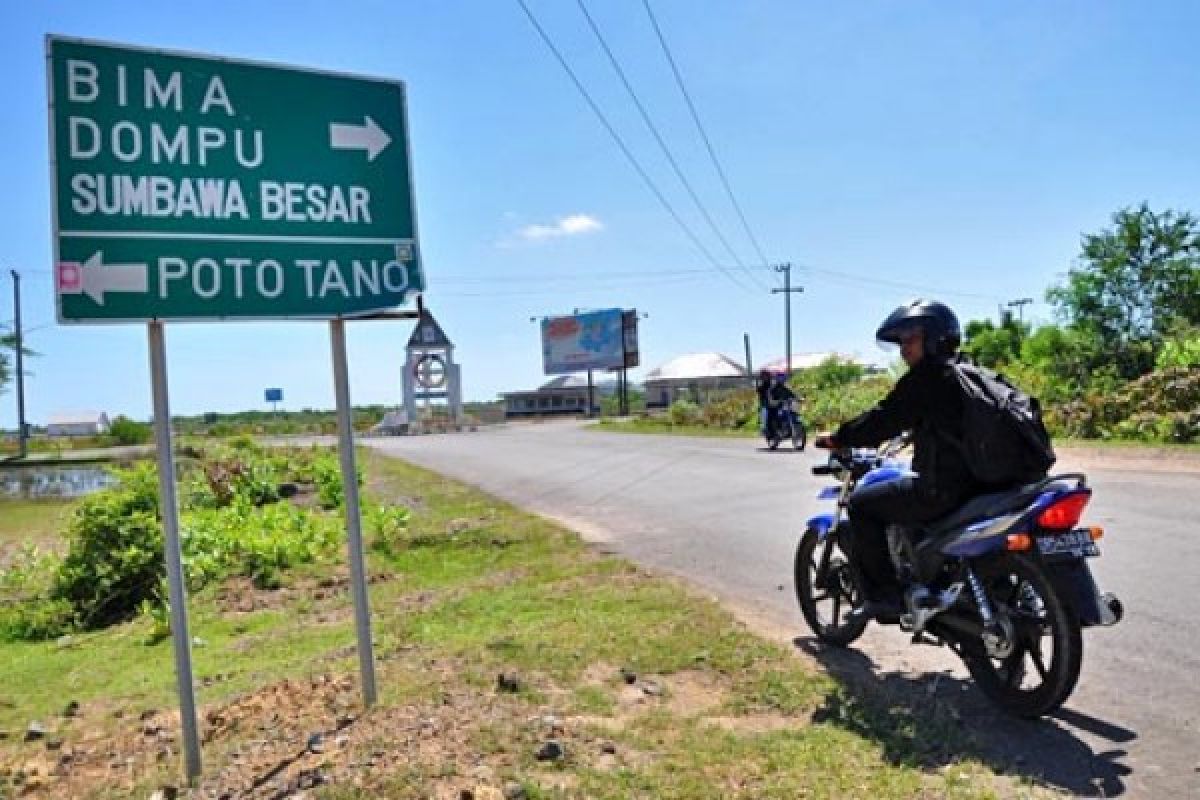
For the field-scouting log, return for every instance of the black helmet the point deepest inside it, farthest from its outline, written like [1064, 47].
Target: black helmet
[937, 323]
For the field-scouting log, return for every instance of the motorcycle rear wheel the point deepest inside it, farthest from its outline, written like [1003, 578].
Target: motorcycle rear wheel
[822, 574]
[1027, 682]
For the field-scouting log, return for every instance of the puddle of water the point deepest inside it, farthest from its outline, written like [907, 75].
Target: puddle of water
[35, 482]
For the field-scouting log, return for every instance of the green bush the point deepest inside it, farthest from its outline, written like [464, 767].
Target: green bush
[684, 412]
[327, 475]
[387, 526]
[115, 557]
[1181, 350]
[27, 609]
[258, 543]
[230, 525]
[125, 431]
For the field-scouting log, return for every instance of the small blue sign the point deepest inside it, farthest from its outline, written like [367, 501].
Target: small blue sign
[274, 395]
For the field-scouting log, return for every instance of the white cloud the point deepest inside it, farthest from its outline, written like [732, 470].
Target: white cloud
[573, 225]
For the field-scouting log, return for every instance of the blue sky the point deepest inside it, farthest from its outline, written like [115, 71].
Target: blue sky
[881, 147]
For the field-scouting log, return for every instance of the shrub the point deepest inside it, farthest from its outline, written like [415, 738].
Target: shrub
[115, 558]
[684, 412]
[386, 525]
[327, 475]
[27, 609]
[125, 431]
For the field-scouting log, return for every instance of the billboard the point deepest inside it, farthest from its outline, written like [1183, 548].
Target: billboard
[593, 340]
[630, 318]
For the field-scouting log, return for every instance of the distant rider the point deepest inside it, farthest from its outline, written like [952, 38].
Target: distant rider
[928, 401]
[776, 396]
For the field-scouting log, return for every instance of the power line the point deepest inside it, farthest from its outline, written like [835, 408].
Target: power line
[621, 143]
[662, 144]
[862, 279]
[712, 154]
[613, 275]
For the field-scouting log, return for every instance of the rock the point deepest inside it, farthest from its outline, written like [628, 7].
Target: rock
[345, 721]
[54, 744]
[550, 751]
[508, 682]
[311, 778]
[608, 748]
[147, 714]
[466, 794]
[315, 744]
[652, 689]
[72, 709]
[629, 676]
[165, 793]
[553, 724]
[35, 731]
[514, 791]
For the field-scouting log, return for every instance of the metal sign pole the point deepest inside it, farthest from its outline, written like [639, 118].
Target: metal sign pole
[358, 571]
[169, 508]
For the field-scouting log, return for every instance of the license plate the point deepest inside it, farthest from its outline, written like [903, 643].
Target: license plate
[1074, 543]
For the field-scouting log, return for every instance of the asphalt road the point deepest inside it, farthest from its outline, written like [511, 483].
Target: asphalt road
[725, 515]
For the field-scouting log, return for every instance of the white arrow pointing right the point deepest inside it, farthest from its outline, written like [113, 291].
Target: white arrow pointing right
[368, 136]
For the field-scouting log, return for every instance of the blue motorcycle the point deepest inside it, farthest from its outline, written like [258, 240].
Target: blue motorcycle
[1004, 581]
[785, 424]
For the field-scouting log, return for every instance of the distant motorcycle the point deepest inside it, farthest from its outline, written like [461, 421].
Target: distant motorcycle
[785, 424]
[1004, 581]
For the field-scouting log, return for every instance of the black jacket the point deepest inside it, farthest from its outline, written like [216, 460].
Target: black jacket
[778, 394]
[761, 388]
[928, 401]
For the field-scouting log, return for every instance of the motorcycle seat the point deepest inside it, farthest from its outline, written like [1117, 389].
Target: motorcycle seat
[987, 505]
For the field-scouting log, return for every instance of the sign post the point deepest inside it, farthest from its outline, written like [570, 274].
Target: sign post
[176, 587]
[193, 187]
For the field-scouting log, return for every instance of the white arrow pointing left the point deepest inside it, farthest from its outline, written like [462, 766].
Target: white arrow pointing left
[368, 136]
[93, 277]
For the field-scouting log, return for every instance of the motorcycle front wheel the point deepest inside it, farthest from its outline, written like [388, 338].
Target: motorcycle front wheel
[826, 589]
[799, 435]
[1034, 666]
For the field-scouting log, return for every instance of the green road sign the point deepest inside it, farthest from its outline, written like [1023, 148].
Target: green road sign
[197, 187]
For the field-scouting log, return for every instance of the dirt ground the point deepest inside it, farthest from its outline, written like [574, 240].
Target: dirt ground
[295, 735]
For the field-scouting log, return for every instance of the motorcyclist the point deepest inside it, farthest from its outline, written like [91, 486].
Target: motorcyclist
[773, 396]
[928, 402]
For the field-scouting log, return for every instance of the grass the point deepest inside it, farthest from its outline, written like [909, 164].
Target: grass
[474, 588]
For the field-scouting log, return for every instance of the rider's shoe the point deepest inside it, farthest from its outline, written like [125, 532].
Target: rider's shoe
[886, 612]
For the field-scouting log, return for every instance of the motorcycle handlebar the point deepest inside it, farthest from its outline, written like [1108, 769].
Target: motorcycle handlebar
[823, 469]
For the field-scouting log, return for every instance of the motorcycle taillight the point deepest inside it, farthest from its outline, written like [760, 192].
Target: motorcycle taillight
[1064, 513]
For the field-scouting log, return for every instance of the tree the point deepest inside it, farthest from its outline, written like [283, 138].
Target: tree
[1134, 283]
[993, 346]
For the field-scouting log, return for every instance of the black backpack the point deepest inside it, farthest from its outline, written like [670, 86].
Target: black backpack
[1004, 438]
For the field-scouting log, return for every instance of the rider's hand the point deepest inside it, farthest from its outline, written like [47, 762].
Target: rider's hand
[825, 441]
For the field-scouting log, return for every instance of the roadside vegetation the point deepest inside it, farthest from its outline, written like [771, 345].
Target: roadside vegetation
[512, 658]
[1123, 364]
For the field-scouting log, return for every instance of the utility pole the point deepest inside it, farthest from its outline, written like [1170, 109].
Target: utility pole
[22, 432]
[787, 292]
[1019, 304]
